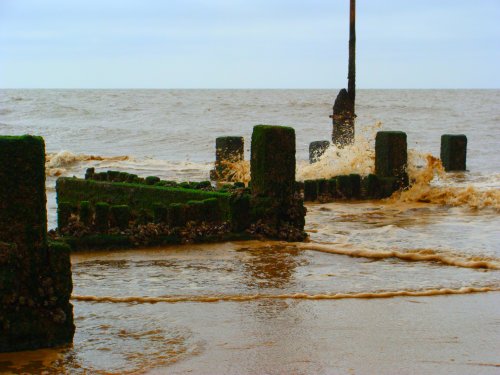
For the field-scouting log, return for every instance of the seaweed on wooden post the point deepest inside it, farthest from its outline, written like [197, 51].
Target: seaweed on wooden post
[356, 185]
[370, 187]
[151, 180]
[85, 213]
[317, 149]
[89, 174]
[272, 166]
[35, 277]
[101, 221]
[176, 215]
[323, 189]
[310, 190]
[344, 186]
[120, 215]
[272, 169]
[211, 208]
[391, 156]
[454, 152]
[240, 212]
[64, 210]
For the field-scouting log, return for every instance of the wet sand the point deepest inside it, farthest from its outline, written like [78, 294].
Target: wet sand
[272, 308]
[426, 335]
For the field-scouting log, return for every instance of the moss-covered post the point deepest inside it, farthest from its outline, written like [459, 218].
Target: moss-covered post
[272, 166]
[391, 156]
[454, 152]
[272, 169]
[35, 278]
[310, 190]
[227, 150]
[317, 149]
[64, 211]
[101, 220]
[120, 215]
[85, 213]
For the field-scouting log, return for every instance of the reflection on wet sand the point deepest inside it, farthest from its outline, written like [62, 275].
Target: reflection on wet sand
[237, 307]
[107, 343]
[270, 266]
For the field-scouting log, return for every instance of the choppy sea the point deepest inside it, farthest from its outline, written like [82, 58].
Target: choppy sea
[271, 307]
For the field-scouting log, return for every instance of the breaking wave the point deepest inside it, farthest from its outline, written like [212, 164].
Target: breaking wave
[422, 189]
[356, 158]
[58, 163]
[417, 255]
[297, 296]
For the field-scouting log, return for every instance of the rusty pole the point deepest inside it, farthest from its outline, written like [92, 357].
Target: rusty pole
[343, 108]
[351, 76]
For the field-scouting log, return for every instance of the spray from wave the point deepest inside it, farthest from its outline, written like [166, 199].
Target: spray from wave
[430, 184]
[57, 164]
[424, 190]
[356, 158]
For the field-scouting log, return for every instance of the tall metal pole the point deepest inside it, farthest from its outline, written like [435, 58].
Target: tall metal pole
[351, 76]
[343, 109]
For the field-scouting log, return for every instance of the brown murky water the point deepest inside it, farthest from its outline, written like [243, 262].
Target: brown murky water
[401, 286]
[272, 307]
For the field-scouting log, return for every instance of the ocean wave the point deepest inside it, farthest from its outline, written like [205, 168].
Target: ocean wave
[57, 164]
[5, 111]
[415, 255]
[66, 162]
[422, 190]
[296, 296]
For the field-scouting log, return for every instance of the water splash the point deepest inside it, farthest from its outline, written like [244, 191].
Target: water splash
[57, 164]
[424, 187]
[238, 171]
[356, 158]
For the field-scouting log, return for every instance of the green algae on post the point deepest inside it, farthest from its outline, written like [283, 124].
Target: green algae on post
[136, 196]
[85, 213]
[35, 276]
[454, 152]
[370, 187]
[101, 216]
[278, 211]
[64, 210]
[310, 190]
[120, 215]
[391, 156]
[272, 165]
[151, 211]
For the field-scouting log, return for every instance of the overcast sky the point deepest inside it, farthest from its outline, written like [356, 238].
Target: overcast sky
[247, 43]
